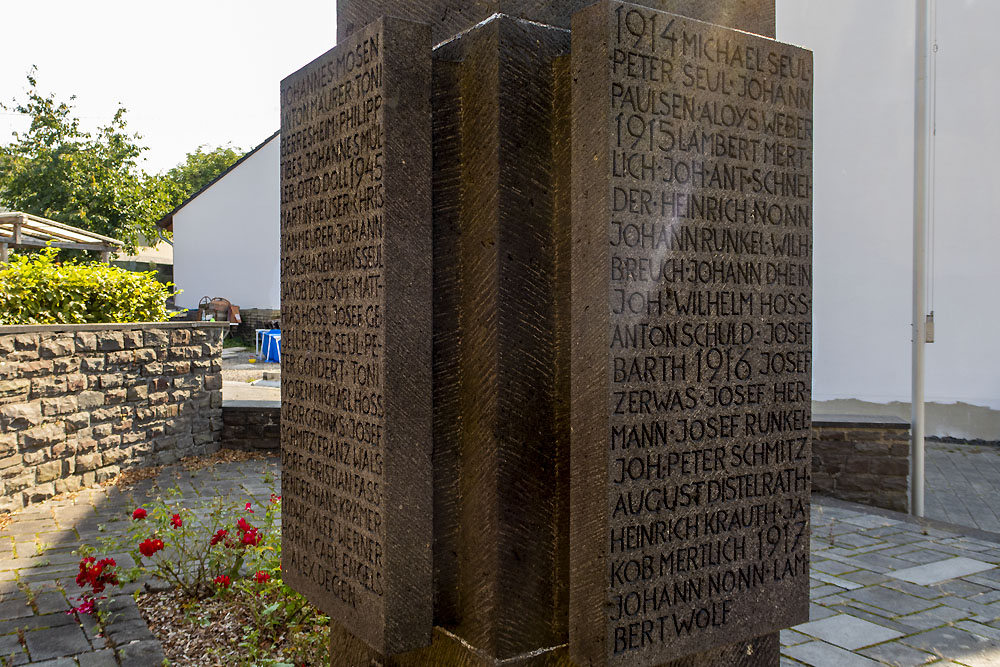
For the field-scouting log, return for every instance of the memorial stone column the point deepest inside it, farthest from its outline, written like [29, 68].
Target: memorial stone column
[429, 265]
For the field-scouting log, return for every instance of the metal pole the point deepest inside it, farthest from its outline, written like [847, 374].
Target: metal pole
[921, 125]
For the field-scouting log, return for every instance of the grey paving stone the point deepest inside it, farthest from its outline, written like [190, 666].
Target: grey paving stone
[822, 591]
[965, 588]
[821, 654]
[10, 609]
[925, 592]
[934, 617]
[922, 555]
[790, 637]
[57, 662]
[876, 616]
[967, 606]
[35, 623]
[50, 602]
[895, 653]
[103, 658]
[865, 577]
[10, 646]
[141, 654]
[979, 629]
[933, 573]
[951, 642]
[817, 612]
[870, 521]
[846, 584]
[124, 632]
[989, 597]
[56, 642]
[848, 631]
[892, 601]
[831, 567]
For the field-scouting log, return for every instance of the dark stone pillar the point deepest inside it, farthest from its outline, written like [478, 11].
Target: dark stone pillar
[501, 207]
[448, 18]
[504, 587]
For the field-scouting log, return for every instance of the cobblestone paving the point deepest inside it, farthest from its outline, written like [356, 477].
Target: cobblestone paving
[885, 590]
[38, 568]
[889, 590]
[962, 484]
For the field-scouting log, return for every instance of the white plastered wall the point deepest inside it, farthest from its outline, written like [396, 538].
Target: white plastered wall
[227, 239]
[863, 159]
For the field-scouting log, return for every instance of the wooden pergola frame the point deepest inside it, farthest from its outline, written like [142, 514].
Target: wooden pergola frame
[23, 230]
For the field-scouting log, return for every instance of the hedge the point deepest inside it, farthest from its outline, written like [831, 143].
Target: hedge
[38, 289]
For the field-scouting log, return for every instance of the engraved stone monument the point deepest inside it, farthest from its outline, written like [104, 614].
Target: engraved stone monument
[455, 270]
[356, 314]
[692, 272]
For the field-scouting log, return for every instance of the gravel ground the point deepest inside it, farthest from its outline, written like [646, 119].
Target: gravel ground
[237, 367]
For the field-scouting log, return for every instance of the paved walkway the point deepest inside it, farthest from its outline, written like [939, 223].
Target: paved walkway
[888, 590]
[885, 590]
[38, 569]
[963, 484]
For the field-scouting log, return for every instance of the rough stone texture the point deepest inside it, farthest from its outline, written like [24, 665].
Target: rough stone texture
[862, 459]
[449, 17]
[251, 425]
[501, 425]
[448, 650]
[64, 429]
[691, 336]
[256, 318]
[357, 339]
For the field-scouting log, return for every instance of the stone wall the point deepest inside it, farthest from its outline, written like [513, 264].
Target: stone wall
[255, 318]
[251, 425]
[80, 403]
[862, 459]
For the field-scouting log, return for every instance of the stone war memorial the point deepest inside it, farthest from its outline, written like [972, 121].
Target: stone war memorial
[547, 310]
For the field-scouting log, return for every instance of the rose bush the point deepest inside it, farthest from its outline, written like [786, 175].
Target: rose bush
[228, 549]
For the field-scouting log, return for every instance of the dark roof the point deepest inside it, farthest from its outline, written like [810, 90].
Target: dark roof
[167, 221]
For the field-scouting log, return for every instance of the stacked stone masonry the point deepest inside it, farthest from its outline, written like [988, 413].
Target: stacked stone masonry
[251, 425]
[81, 403]
[863, 460]
[256, 318]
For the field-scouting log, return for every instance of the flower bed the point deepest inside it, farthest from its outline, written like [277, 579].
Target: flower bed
[222, 563]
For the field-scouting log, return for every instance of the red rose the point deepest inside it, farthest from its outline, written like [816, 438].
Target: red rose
[222, 581]
[139, 513]
[150, 547]
[97, 574]
[175, 521]
[218, 537]
[248, 508]
[86, 606]
[243, 525]
[81, 579]
[262, 577]
[275, 498]
[252, 537]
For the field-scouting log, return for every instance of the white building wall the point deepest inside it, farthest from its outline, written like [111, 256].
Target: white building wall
[227, 239]
[863, 108]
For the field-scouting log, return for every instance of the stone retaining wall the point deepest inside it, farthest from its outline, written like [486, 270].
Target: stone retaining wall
[862, 459]
[251, 425]
[80, 403]
[256, 318]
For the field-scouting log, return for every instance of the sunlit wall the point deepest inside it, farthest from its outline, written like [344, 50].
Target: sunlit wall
[863, 107]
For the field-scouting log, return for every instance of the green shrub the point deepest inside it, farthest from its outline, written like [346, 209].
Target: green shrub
[38, 289]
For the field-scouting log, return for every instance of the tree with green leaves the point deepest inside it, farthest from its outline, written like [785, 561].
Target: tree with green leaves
[198, 170]
[90, 180]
